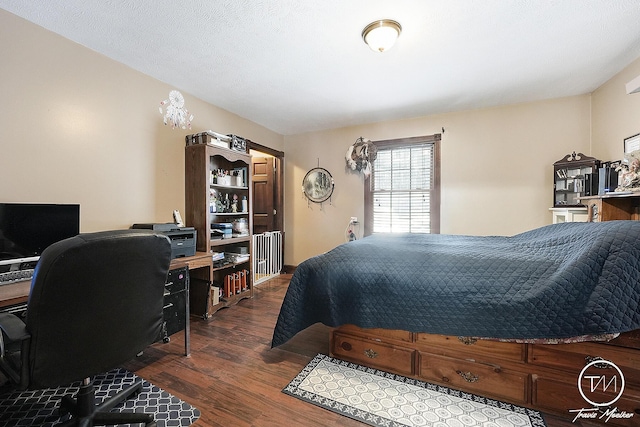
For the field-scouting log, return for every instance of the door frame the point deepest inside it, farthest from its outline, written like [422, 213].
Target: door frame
[278, 178]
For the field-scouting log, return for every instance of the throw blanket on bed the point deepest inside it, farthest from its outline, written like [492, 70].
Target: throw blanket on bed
[558, 281]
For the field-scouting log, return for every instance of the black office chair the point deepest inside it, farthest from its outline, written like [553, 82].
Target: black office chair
[95, 302]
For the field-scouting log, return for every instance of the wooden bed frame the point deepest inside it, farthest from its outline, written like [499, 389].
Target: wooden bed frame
[538, 376]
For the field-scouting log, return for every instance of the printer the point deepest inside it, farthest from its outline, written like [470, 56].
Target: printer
[183, 239]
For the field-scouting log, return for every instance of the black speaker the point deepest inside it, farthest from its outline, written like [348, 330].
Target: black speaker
[591, 184]
[607, 180]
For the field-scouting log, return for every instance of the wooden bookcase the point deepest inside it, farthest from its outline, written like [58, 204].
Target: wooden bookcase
[202, 163]
[571, 179]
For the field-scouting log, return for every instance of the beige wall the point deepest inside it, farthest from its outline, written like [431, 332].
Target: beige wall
[496, 163]
[615, 115]
[496, 170]
[77, 127]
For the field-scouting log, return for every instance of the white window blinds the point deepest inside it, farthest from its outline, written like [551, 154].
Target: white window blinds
[402, 182]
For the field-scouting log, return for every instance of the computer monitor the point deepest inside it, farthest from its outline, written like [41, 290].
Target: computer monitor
[27, 229]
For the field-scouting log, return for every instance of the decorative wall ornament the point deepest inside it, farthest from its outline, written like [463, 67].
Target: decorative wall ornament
[176, 114]
[317, 185]
[629, 172]
[360, 156]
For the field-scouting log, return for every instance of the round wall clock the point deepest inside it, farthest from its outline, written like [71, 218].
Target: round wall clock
[317, 185]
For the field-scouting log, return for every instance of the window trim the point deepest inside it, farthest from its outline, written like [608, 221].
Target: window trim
[434, 139]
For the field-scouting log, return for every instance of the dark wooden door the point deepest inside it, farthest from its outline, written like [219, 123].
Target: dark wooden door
[262, 169]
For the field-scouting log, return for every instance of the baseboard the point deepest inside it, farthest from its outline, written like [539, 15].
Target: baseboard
[289, 269]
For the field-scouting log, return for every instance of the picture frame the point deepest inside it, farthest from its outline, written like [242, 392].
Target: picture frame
[318, 185]
[238, 144]
[632, 143]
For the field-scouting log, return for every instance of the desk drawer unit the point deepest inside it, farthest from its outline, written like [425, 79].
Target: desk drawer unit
[175, 302]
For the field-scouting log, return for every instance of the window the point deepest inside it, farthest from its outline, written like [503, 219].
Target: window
[402, 194]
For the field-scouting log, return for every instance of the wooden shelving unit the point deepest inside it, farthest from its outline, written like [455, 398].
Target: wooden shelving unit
[202, 189]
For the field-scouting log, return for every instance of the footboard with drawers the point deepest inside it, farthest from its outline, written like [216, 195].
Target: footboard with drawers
[539, 376]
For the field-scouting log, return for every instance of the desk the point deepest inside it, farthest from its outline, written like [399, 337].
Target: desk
[613, 206]
[14, 293]
[201, 264]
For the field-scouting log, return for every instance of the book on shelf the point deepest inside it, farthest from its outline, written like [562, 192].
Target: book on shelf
[227, 286]
[221, 226]
[221, 234]
[236, 257]
[243, 279]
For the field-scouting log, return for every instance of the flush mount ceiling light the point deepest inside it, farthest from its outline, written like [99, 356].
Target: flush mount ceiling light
[382, 34]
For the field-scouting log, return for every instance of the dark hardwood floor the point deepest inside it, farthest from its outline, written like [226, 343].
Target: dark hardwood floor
[235, 378]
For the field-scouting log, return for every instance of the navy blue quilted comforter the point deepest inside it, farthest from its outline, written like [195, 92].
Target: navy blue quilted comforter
[559, 281]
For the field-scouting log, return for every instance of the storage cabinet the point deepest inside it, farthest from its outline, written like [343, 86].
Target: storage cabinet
[218, 206]
[561, 215]
[539, 376]
[572, 178]
[175, 303]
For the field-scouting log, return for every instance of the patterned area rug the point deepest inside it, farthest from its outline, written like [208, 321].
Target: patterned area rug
[39, 407]
[378, 398]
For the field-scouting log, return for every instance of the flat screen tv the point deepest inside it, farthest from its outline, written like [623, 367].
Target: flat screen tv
[26, 229]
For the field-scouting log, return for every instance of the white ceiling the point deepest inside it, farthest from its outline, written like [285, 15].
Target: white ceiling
[295, 66]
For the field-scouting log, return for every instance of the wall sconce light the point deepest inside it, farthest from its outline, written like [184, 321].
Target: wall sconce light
[382, 34]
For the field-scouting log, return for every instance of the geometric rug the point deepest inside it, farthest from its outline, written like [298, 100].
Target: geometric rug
[378, 398]
[40, 407]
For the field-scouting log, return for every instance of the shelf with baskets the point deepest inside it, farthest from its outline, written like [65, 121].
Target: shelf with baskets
[218, 206]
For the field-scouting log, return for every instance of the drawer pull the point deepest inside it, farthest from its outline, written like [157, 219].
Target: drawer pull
[468, 376]
[346, 346]
[590, 359]
[467, 340]
[370, 353]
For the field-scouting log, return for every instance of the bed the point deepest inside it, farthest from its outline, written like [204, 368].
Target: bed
[419, 304]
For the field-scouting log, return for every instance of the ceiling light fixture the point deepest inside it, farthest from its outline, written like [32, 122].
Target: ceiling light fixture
[382, 34]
